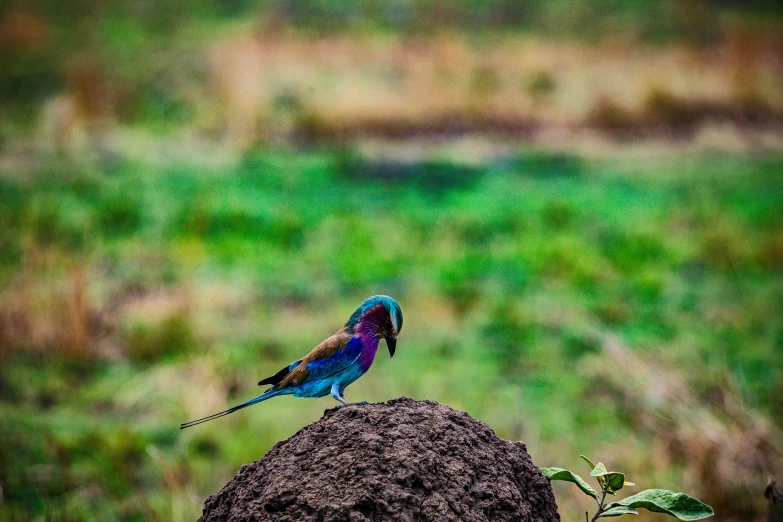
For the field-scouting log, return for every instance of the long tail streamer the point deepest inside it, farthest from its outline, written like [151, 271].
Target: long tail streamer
[264, 396]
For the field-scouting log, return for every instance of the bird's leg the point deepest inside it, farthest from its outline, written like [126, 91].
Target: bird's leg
[336, 395]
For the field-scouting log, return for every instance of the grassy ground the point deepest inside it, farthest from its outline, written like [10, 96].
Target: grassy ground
[620, 301]
[623, 307]
[316, 72]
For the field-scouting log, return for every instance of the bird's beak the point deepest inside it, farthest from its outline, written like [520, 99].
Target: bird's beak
[391, 343]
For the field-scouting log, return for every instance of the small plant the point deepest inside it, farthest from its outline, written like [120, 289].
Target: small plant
[677, 505]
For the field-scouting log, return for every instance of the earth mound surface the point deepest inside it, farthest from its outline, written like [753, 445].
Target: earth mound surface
[403, 460]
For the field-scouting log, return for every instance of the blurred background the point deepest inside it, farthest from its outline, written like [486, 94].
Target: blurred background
[578, 205]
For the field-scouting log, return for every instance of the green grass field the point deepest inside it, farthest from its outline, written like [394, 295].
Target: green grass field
[625, 307]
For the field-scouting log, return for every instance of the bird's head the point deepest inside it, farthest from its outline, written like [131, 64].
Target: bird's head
[381, 316]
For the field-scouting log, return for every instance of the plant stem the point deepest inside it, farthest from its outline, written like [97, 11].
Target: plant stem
[600, 507]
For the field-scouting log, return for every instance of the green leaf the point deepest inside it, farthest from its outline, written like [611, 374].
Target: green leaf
[589, 462]
[564, 474]
[614, 479]
[617, 511]
[677, 505]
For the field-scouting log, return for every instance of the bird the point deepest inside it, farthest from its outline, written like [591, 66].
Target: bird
[337, 361]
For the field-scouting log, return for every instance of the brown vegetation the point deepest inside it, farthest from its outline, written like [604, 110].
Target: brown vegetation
[270, 85]
[394, 86]
[727, 449]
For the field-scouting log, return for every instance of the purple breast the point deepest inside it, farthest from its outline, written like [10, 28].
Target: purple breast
[369, 348]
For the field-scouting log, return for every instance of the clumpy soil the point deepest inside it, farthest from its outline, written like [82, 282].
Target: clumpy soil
[403, 460]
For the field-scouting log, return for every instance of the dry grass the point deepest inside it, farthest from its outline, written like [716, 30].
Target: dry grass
[392, 85]
[726, 450]
[48, 307]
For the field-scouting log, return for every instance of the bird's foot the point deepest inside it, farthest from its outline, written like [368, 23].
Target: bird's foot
[362, 403]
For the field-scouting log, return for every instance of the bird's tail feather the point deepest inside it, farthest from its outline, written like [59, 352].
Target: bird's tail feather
[264, 396]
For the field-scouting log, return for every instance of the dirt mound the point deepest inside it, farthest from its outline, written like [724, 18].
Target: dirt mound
[401, 460]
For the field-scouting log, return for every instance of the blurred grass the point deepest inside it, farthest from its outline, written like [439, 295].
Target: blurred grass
[135, 300]
[251, 72]
[623, 305]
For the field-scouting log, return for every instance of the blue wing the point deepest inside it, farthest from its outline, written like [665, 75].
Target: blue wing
[335, 363]
[333, 355]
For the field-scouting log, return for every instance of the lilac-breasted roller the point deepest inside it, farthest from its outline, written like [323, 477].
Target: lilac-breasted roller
[338, 361]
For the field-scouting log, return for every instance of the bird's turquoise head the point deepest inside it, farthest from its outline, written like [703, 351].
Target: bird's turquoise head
[381, 316]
